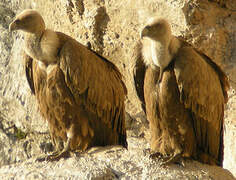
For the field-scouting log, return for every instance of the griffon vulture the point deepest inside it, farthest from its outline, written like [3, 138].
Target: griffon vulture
[184, 93]
[79, 93]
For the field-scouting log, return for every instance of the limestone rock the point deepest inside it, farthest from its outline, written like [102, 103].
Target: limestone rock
[113, 163]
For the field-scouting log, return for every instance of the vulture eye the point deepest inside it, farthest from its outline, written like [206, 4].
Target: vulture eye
[17, 21]
[148, 27]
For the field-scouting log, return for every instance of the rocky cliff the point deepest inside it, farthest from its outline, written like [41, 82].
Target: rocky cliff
[112, 29]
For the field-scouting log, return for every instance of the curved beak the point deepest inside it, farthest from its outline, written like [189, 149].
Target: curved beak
[12, 26]
[144, 32]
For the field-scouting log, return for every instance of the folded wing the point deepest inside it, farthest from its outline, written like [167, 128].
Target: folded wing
[95, 83]
[203, 90]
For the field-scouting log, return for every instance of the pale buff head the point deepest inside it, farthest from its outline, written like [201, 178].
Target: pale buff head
[157, 30]
[29, 21]
[159, 46]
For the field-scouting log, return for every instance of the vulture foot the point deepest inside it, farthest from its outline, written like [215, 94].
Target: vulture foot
[55, 156]
[167, 160]
[42, 158]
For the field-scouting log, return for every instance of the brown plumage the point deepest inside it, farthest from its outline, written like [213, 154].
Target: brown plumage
[185, 107]
[79, 93]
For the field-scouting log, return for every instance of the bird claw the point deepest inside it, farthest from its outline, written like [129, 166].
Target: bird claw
[54, 157]
[156, 155]
[42, 158]
[167, 160]
[63, 154]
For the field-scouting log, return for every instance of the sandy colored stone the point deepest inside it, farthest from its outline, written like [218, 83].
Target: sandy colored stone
[113, 163]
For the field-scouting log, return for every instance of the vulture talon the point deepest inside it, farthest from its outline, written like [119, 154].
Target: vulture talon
[64, 154]
[174, 159]
[55, 156]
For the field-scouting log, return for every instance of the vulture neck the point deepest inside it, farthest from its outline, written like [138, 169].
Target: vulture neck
[160, 53]
[32, 45]
[42, 46]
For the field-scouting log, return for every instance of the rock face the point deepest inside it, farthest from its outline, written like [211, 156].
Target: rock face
[112, 29]
[113, 163]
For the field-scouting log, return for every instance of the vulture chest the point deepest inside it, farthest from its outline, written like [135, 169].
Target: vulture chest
[170, 122]
[66, 111]
[55, 100]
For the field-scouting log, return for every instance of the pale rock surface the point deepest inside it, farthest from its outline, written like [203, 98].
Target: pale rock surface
[113, 163]
[112, 29]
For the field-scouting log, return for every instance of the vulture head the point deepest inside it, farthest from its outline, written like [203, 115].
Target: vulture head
[28, 21]
[159, 45]
[40, 43]
[158, 30]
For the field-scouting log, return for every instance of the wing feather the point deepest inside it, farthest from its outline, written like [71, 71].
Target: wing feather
[29, 71]
[86, 71]
[139, 71]
[203, 90]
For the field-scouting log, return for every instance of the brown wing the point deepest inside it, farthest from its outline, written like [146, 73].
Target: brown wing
[29, 71]
[96, 83]
[203, 90]
[139, 74]
[223, 78]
